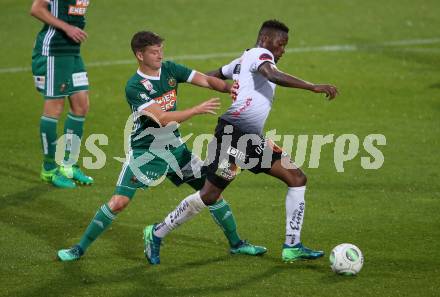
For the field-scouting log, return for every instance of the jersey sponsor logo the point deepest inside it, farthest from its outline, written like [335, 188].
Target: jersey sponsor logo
[245, 106]
[265, 57]
[40, 82]
[80, 79]
[167, 101]
[239, 155]
[80, 8]
[172, 82]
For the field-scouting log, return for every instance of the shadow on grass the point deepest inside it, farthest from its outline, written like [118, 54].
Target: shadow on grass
[51, 220]
[35, 212]
[435, 86]
[145, 280]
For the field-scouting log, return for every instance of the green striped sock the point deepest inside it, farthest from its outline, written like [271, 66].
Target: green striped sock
[222, 214]
[100, 222]
[48, 135]
[74, 125]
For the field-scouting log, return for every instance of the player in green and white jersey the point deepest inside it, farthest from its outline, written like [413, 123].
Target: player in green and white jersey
[156, 150]
[59, 72]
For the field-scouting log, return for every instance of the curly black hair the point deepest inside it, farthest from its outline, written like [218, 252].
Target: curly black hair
[273, 25]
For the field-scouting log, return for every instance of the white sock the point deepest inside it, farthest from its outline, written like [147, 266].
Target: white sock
[188, 207]
[295, 206]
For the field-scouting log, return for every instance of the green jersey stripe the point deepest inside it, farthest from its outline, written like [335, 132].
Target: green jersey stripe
[51, 32]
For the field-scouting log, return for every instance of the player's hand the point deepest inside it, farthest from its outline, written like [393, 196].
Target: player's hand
[209, 106]
[76, 34]
[329, 90]
[234, 90]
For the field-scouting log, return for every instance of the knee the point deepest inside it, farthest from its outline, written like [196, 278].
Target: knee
[297, 179]
[79, 104]
[80, 109]
[53, 110]
[118, 202]
[209, 197]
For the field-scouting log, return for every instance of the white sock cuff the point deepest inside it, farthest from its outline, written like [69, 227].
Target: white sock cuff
[195, 201]
[297, 189]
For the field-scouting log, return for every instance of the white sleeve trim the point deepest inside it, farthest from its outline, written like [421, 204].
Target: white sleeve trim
[224, 71]
[191, 76]
[145, 105]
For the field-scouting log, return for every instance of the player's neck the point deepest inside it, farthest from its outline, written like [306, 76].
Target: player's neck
[149, 71]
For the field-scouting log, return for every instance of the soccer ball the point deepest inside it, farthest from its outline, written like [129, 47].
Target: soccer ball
[346, 259]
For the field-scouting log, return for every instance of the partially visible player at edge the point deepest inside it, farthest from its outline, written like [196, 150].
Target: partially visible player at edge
[59, 72]
[256, 74]
[152, 96]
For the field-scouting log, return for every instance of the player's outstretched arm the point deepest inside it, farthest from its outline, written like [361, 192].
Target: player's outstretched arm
[211, 82]
[216, 73]
[156, 113]
[39, 10]
[286, 80]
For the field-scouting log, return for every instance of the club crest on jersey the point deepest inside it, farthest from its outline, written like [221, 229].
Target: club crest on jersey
[265, 57]
[80, 8]
[172, 82]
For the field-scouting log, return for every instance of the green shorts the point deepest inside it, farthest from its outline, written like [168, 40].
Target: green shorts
[59, 76]
[142, 170]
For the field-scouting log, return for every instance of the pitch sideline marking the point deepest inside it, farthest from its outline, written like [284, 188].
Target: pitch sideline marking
[323, 48]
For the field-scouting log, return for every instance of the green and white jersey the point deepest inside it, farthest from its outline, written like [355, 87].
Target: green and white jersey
[54, 42]
[142, 90]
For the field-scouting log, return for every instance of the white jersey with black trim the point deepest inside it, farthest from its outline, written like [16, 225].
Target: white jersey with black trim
[255, 94]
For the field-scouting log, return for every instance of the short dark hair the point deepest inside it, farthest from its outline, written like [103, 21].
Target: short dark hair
[144, 38]
[272, 25]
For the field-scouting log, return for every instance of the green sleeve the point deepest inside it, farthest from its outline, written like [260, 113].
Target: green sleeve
[182, 73]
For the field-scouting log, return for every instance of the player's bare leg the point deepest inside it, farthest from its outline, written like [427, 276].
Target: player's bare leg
[73, 131]
[79, 103]
[100, 222]
[296, 181]
[209, 195]
[53, 108]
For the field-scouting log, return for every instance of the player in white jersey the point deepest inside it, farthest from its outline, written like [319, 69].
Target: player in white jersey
[254, 100]
[238, 141]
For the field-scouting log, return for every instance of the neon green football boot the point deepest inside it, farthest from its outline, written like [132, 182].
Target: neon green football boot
[75, 173]
[151, 245]
[55, 177]
[247, 248]
[299, 252]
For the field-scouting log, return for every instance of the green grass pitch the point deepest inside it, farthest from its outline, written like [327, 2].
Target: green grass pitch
[383, 55]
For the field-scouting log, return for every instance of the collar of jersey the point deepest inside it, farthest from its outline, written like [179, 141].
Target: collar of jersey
[149, 77]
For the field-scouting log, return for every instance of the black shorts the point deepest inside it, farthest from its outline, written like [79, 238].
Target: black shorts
[232, 150]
